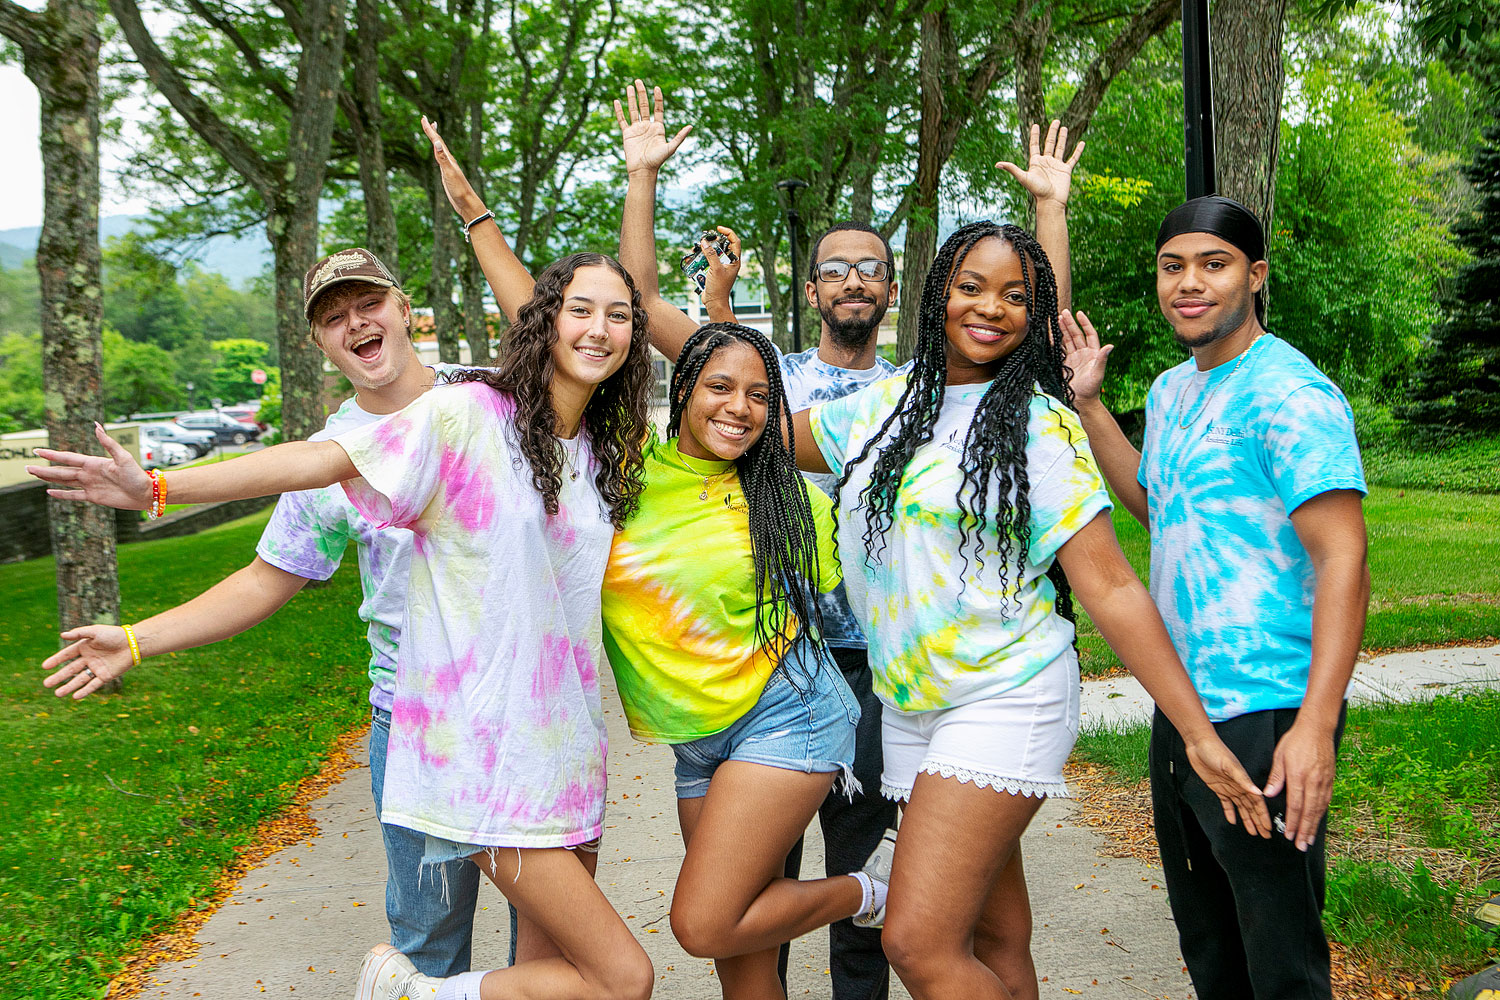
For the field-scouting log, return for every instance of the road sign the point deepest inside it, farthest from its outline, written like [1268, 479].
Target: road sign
[258, 376]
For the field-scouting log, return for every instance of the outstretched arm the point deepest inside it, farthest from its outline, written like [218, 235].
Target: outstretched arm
[1120, 607]
[238, 602]
[117, 481]
[1048, 178]
[643, 137]
[1117, 457]
[508, 277]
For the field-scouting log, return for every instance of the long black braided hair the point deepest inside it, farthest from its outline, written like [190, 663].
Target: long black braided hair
[783, 534]
[995, 444]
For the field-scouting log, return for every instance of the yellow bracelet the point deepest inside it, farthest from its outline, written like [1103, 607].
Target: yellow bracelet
[135, 646]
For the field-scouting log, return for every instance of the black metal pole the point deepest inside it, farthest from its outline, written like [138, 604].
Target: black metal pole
[1198, 101]
[795, 225]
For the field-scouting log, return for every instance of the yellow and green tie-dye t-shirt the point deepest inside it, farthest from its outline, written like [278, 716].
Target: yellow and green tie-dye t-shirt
[942, 629]
[679, 599]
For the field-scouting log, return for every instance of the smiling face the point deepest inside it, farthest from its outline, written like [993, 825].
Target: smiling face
[726, 414]
[852, 306]
[1206, 288]
[365, 332]
[593, 328]
[985, 311]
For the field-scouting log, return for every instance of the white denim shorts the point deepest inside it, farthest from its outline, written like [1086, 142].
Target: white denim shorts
[1014, 742]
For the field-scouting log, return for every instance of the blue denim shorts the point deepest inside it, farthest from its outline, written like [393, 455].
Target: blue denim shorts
[804, 721]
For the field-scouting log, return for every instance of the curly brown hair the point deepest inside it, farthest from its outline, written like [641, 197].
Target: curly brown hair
[614, 419]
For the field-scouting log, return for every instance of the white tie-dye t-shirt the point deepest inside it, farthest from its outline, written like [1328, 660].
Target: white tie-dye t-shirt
[310, 530]
[497, 731]
[943, 631]
[1228, 572]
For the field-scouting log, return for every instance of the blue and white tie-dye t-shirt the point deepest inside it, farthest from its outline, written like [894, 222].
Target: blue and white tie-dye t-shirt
[943, 630]
[810, 380]
[1227, 456]
[309, 531]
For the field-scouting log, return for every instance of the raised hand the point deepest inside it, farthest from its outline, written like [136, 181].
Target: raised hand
[116, 481]
[98, 654]
[1083, 355]
[1048, 177]
[456, 186]
[721, 276]
[1221, 771]
[643, 134]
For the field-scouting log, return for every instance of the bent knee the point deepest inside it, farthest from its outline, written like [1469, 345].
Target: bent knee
[631, 979]
[700, 933]
[913, 949]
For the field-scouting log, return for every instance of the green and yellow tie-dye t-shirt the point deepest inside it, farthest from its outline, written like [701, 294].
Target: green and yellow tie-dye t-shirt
[679, 599]
[943, 631]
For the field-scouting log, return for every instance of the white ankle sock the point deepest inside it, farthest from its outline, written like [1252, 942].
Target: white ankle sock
[464, 986]
[866, 892]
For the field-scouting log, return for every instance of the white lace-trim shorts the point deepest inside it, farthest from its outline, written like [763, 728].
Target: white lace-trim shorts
[1014, 742]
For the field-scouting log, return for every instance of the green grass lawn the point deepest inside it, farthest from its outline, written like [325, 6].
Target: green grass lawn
[117, 813]
[1412, 829]
[1434, 573]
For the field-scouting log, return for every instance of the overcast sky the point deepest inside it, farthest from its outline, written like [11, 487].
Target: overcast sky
[21, 168]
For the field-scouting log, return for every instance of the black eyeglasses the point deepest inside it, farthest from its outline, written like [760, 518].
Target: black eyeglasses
[838, 270]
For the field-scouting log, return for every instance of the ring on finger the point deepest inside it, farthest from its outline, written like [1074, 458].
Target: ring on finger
[86, 672]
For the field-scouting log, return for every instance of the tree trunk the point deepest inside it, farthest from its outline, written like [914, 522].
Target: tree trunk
[367, 123]
[445, 246]
[294, 245]
[921, 222]
[476, 321]
[61, 49]
[1247, 77]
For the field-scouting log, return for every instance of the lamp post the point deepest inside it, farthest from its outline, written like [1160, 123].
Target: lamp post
[794, 229]
[1197, 101]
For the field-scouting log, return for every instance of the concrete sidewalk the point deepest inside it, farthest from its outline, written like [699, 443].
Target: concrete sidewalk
[301, 922]
[1399, 677]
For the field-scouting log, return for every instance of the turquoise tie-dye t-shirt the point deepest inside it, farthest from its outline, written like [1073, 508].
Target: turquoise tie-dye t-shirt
[310, 530]
[497, 729]
[1228, 455]
[943, 631]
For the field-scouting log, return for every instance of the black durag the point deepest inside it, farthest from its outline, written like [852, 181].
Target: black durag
[1223, 217]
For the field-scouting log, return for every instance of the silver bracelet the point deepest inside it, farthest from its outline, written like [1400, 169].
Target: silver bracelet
[471, 224]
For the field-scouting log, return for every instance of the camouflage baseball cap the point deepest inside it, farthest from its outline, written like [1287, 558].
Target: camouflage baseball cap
[354, 264]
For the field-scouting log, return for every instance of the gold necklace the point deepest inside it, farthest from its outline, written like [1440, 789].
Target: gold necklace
[706, 477]
[1181, 425]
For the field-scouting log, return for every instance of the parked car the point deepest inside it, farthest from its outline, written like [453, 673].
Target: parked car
[159, 454]
[246, 415]
[226, 430]
[200, 443]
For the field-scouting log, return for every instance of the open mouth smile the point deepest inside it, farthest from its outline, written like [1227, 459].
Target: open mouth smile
[367, 347]
[735, 432]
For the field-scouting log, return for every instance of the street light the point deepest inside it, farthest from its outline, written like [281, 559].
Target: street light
[794, 228]
[1197, 101]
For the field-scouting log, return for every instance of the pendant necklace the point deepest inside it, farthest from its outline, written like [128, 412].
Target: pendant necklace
[704, 494]
[572, 456]
[1183, 425]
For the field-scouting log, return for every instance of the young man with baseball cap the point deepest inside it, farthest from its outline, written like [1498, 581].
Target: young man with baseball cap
[361, 319]
[1250, 482]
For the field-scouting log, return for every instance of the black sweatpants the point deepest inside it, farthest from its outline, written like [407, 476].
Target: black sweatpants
[1248, 910]
[851, 831]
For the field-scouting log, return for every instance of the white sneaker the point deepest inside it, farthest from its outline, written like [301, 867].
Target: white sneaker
[878, 868]
[389, 975]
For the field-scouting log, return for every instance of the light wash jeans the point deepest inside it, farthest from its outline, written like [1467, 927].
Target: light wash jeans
[437, 934]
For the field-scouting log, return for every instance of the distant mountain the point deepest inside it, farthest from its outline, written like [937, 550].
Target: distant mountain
[12, 257]
[238, 259]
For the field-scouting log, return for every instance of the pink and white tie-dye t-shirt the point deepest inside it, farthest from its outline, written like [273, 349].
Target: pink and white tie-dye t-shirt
[497, 732]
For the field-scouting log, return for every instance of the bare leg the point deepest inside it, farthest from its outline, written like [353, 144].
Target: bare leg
[597, 958]
[957, 892]
[731, 903]
[532, 942]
